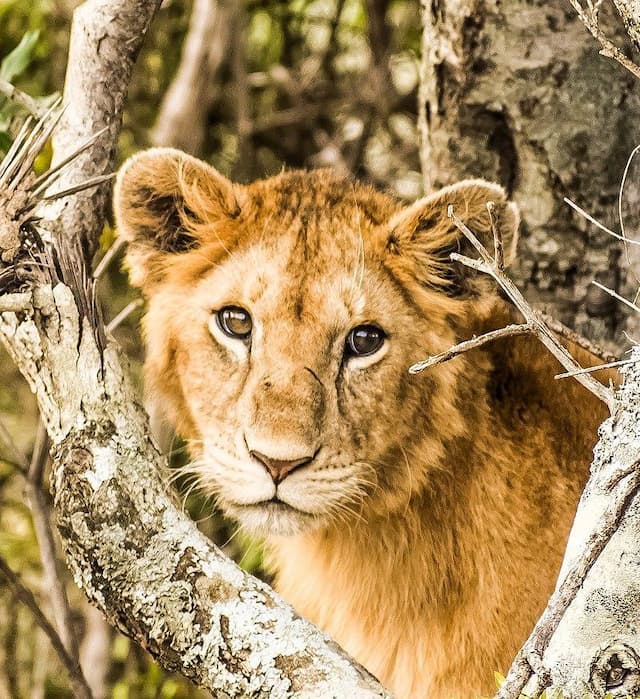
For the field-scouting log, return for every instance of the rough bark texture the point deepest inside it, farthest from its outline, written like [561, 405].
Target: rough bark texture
[522, 96]
[132, 551]
[629, 10]
[106, 37]
[596, 648]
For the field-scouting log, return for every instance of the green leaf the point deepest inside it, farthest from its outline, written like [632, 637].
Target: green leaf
[5, 141]
[499, 679]
[14, 63]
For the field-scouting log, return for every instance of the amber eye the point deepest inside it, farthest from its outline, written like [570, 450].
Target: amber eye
[235, 322]
[364, 340]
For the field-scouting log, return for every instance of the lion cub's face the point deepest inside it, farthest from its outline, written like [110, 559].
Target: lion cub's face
[283, 317]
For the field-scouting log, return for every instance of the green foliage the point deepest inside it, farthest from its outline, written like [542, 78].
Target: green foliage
[12, 66]
[16, 62]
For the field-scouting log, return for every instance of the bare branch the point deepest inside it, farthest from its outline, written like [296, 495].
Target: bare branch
[572, 336]
[487, 265]
[531, 652]
[174, 575]
[591, 369]
[508, 331]
[124, 314]
[78, 683]
[498, 247]
[181, 121]
[21, 98]
[42, 523]
[617, 296]
[108, 258]
[609, 49]
[94, 92]
[17, 459]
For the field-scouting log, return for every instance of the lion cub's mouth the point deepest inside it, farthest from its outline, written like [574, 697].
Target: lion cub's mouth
[271, 517]
[276, 505]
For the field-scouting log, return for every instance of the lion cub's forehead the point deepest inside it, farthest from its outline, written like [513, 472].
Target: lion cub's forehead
[285, 273]
[307, 235]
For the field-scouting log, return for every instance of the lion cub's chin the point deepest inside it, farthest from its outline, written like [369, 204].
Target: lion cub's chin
[267, 519]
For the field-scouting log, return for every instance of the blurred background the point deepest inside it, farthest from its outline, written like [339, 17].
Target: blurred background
[514, 92]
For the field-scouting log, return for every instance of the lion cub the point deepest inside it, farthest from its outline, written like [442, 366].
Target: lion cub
[420, 520]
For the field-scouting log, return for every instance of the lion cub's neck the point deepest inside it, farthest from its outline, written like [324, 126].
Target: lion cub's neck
[397, 592]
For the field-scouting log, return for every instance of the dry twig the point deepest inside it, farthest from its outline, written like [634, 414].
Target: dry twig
[534, 322]
[41, 514]
[21, 98]
[609, 49]
[24, 595]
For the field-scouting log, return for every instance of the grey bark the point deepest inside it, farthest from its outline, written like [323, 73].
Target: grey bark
[106, 36]
[131, 550]
[518, 93]
[596, 647]
[629, 10]
[181, 121]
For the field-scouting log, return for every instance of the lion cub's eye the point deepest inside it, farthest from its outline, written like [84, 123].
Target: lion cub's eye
[234, 322]
[364, 340]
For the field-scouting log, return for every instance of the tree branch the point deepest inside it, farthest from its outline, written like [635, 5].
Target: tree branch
[106, 36]
[78, 683]
[133, 552]
[181, 120]
[609, 49]
[534, 324]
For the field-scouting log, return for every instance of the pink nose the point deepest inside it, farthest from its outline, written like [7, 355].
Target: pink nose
[277, 468]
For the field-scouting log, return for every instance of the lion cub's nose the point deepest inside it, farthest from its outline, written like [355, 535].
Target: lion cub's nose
[277, 468]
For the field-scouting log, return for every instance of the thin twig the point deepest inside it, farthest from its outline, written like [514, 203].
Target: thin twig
[590, 369]
[487, 265]
[609, 49]
[597, 223]
[572, 336]
[41, 514]
[108, 258]
[24, 595]
[21, 98]
[620, 197]
[124, 314]
[507, 331]
[17, 459]
[498, 246]
[617, 296]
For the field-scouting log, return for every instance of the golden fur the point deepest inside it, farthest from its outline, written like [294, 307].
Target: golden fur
[427, 530]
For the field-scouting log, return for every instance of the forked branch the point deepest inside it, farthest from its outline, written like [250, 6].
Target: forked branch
[534, 322]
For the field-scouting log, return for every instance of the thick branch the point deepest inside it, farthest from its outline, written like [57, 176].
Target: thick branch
[106, 36]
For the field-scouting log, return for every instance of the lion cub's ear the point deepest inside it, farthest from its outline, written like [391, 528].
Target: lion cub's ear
[164, 201]
[424, 235]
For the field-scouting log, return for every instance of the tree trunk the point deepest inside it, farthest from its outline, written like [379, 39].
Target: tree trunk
[517, 92]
